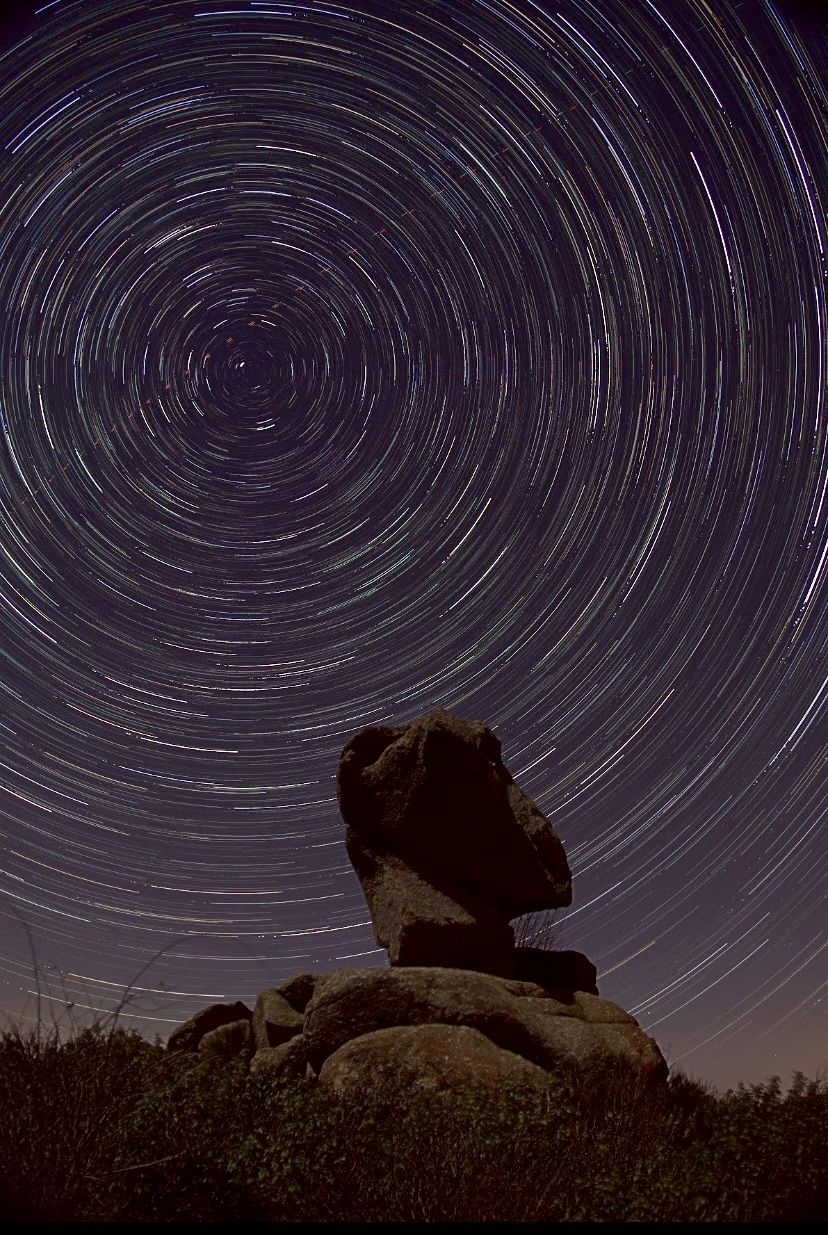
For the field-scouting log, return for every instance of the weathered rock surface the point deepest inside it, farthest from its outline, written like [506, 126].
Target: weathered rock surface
[447, 847]
[187, 1036]
[425, 1058]
[228, 1041]
[419, 922]
[289, 1059]
[520, 1017]
[570, 970]
[543, 1026]
[298, 990]
[274, 1020]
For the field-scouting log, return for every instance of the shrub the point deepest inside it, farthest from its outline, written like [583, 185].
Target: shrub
[62, 1105]
[106, 1126]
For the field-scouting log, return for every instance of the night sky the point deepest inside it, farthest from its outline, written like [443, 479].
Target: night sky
[358, 359]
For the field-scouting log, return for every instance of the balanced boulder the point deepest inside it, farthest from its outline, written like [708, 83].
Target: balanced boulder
[447, 847]
[448, 850]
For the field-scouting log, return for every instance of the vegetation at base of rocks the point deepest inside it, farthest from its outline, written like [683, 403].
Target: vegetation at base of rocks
[107, 1126]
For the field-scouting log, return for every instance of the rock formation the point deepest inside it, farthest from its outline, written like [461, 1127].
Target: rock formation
[448, 849]
[522, 1020]
[540, 1026]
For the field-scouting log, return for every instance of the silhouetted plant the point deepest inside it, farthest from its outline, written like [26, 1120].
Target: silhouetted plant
[536, 930]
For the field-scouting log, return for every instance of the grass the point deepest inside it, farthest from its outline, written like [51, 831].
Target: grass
[106, 1126]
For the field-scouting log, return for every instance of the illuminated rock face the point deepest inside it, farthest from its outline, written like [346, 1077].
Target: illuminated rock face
[446, 845]
[545, 1028]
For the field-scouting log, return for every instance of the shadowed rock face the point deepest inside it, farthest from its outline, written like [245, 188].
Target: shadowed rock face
[289, 1059]
[274, 1019]
[570, 970]
[447, 847]
[228, 1041]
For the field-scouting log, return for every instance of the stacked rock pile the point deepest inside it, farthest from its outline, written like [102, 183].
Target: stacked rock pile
[448, 850]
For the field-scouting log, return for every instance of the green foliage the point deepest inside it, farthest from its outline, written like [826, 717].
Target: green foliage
[108, 1127]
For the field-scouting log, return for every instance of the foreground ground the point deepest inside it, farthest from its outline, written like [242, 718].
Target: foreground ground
[106, 1126]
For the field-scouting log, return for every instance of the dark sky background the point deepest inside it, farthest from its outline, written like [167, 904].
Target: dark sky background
[357, 359]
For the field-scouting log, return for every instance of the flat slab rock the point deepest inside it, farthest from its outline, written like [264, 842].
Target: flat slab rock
[520, 1017]
[571, 970]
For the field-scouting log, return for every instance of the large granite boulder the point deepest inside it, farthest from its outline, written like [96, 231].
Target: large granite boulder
[428, 1060]
[447, 847]
[543, 1027]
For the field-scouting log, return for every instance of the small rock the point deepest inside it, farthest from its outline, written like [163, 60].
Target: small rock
[187, 1036]
[228, 1041]
[299, 990]
[274, 1020]
[569, 970]
[289, 1059]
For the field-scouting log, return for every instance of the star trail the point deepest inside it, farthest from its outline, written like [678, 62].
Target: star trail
[359, 359]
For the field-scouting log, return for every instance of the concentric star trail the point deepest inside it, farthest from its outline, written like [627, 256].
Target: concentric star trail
[357, 359]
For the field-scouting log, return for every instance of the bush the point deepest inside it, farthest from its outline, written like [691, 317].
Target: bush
[62, 1106]
[106, 1126]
